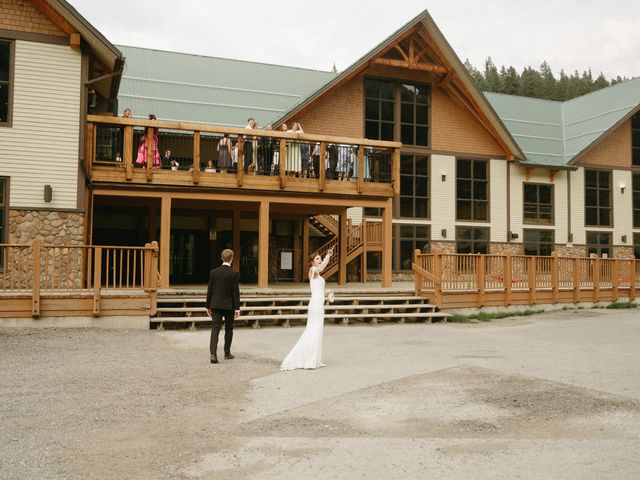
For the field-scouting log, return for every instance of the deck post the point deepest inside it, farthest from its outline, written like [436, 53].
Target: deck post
[127, 153]
[89, 147]
[165, 239]
[576, 279]
[343, 237]
[437, 285]
[596, 279]
[614, 279]
[532, 280]
[416, 277]
[282, 163]
[150, 153]
[35, 288]
[240, 163]
[632, 283]
[97, 279]
[196, 158]
[360, 170]
[263, 245]
[322, 166]
[363, 257]
[507, 279]
[387, 240]
[480, 278]
[554, 277]
[152, 280]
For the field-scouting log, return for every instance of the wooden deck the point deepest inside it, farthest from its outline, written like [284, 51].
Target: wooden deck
[459, 281]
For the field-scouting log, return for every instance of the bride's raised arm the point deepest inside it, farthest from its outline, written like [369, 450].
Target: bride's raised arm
[325, 261]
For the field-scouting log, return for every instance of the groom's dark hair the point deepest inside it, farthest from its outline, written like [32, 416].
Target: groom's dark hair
[226, 255]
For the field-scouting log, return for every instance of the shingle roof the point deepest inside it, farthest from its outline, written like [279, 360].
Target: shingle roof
[556, 133]
[194, 88]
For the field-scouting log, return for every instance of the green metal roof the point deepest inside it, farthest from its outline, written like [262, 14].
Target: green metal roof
[554, 134]
[184, 87]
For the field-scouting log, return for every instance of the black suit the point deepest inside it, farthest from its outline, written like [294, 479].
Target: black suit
[223, 299]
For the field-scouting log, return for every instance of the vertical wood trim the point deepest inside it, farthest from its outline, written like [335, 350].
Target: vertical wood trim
[532, 280]
[437, 271]
[165, 239]
[507, 279]
[240, 165]
[35, 288]
[576, 279]
[296, 251]
[343, 234]
[153, 278]
[196, 158]
[554, 277]
[614, 279]
[596, 280]
[305, 248]
[150, 154]
[480, 278]
[322, 166]
[263, 245]
[395, 169]
[363, 256]
[235, 225]
[97, 276]
[360, 169]
[417, 278]
[387, 240]
[632, 289]
[282, 163]
[89, 148]
[127, 154]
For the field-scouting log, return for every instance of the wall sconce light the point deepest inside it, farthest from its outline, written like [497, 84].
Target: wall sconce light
[48, 193]
[443, 176]
[624, 239]
[513, 235]
[93, 100]
[622, 187]
[443, 233]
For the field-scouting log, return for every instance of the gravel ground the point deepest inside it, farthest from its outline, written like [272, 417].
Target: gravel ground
[551, 396]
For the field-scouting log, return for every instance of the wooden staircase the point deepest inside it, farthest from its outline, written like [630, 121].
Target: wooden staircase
[187, 309]
[325, 224]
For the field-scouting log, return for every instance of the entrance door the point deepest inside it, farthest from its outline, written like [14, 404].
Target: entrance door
[189, 257]
[249, 257]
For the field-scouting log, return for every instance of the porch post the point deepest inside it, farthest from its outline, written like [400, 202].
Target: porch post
[263, 245]
[305, 248]
[387, 240]
[165, 239]
[235, 225]
[343, 232]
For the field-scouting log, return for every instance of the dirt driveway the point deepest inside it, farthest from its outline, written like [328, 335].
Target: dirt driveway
[551, 396]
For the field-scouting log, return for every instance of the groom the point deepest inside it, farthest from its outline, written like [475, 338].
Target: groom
[223, 302]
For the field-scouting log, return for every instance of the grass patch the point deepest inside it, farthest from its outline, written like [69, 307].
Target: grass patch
[488, 316]
[617, 305]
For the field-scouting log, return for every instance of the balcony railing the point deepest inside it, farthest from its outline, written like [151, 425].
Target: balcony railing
[456, 280]
[174, 153]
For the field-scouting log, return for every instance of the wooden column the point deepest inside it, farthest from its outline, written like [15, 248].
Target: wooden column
[35, 287]
[576, 279]
[322, 166]
[235, 228]
[387, 240]
[507, 279]
[296, 251]
[240, 164]
[282, 163]
[150, 153]
[532, 280]
[165, 240]
[554, 277]
[97, 278]
[89, 147]
[127, 152]
[480, 279]
[596, 279]
[263, 245]
[614, 280]
[363, 257]
[343, 234]
[395, 171]
[305, 249]
[360, 170]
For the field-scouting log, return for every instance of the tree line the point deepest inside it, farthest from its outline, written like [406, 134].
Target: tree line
[540, 83]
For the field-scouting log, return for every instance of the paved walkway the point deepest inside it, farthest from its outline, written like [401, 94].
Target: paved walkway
[551, 396]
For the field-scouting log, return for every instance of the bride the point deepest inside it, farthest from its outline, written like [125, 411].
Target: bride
[307, 352]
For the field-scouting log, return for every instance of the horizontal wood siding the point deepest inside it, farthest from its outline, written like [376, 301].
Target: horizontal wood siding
[443, 197]
[498, 200]
[42, 145]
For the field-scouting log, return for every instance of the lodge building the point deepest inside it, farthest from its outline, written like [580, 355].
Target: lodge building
[404, 153]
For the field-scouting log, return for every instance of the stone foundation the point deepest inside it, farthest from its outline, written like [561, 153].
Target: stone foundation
[506, 248]
[623, 253]
[51, 227]
[574, 251]
[443, 247]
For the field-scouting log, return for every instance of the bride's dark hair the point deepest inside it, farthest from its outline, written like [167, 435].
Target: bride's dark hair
[313, 256]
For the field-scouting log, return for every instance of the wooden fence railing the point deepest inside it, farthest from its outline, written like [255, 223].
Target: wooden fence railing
[77, 269]
[457, 280]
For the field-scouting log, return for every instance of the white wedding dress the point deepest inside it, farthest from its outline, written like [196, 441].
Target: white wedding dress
[307, 352]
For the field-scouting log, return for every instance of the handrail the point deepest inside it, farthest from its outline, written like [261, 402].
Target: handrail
[539, 277]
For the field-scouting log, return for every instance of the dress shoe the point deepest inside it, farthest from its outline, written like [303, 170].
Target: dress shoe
[228, 356]
[214, 359]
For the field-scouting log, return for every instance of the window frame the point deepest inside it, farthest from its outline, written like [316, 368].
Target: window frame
[598, 246]
[414, 197]
[597, 189]
[538, 220]
[473, 240]
[11, 82]
[636, 245]
[4, 210]
[413, 238]
[487, 180]
[538, 242]
[635, 132]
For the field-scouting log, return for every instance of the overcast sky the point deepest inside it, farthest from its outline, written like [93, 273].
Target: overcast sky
[569, 34]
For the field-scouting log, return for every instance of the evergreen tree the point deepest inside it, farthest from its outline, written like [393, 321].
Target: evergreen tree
[477, 76]
[491, 76]
[549, 83]
[510, 80]
[531, 83]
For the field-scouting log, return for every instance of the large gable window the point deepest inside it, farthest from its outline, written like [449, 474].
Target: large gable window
[635, 139]
[396, 111]
[6, 78]
[414, 186]
[598, 198]
[538, 203]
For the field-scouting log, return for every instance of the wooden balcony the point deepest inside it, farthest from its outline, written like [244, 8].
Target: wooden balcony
[267, 160]
[472, 281]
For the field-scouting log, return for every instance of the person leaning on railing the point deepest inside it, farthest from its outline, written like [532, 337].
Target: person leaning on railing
[141, 160]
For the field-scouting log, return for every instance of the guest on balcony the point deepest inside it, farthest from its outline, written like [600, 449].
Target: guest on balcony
[143, 148]
[294, 155]
[248, 145]
[224, 153]
[276, 152]
[168, 163]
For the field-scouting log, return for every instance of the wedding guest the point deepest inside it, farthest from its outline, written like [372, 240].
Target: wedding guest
[127, 112]
[224, 153]
[210, 168]
[294, 155]
[265, 149]
[143, 151]
[248, 144]
[275, 165]
[167, 161]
